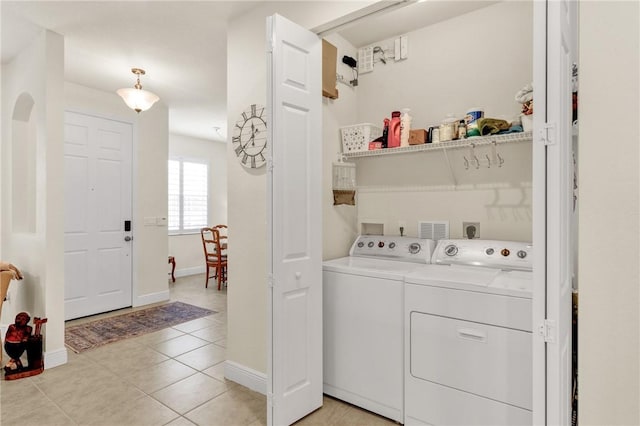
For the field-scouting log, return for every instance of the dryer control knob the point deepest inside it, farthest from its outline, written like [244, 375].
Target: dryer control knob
[489, 251]
[360, 244]
[522, 254]
[414, 248]
[505, 252]
[392, 245]
[451, 250]
[381, 244]
[371, 244]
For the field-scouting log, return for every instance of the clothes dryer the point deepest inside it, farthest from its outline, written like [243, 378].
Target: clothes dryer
[363, 321]
[468, 342]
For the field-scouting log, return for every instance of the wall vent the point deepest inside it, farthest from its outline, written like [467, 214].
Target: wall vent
[433, 230]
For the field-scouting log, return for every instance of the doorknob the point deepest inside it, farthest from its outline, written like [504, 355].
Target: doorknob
[128, 238]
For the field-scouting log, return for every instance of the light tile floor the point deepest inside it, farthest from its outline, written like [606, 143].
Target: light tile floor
[171, 377]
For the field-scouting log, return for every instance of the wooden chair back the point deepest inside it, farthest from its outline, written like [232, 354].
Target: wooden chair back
[214, 254]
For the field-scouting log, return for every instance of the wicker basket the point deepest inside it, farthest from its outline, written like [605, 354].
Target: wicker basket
[356, 138]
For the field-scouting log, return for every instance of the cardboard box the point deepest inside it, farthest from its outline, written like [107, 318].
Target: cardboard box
[329, 63]
[417, 136]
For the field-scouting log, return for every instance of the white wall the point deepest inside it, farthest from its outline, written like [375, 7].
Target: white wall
[37, 70]
[338, 222]
[187, 248]
[150, 155]
[481, 58]
[246, 71]
[609, 188]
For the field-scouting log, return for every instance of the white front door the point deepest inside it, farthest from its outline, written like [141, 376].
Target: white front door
[555, 33]
[97, 249]
[294, 216]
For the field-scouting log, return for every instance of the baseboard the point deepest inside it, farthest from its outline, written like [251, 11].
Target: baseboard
[55, 358]
[246, 376]
[147, 299]
[185, 272]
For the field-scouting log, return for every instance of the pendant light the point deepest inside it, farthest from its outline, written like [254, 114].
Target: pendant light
[136, 98]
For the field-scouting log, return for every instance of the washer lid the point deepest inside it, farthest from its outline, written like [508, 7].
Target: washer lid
[474, 278]
[513, 282]
[457, 276]
[379, 268]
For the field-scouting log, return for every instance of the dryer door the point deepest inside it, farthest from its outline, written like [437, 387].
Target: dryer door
[485, 360]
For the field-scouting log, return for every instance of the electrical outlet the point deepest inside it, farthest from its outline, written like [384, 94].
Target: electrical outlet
[471, 230]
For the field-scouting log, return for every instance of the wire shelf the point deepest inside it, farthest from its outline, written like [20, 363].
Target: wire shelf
[475, 141]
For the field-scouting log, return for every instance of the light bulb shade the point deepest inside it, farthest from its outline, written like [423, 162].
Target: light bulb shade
[138, 99]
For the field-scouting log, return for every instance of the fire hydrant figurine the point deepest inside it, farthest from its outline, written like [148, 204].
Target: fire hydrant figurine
[19, 338]
[15, 342]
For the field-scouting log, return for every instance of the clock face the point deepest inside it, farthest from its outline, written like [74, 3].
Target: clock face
[250, 137]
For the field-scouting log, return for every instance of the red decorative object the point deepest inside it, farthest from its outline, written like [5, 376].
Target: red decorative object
[19, 338]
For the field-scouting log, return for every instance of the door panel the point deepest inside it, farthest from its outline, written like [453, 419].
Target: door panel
[554, 44]
[294, 214]
[97, 202]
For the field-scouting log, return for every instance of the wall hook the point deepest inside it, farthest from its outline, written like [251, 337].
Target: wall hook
[475, 159]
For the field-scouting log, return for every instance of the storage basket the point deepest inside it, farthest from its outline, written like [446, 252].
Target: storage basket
[357, 137]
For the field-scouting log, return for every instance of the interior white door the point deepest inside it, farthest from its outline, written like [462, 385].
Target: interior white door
[294, 217]
[555, 35]
[97, 249]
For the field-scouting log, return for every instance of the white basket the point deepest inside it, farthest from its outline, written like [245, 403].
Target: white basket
[356, 138]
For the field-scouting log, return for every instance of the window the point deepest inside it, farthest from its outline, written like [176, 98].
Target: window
[188, 195]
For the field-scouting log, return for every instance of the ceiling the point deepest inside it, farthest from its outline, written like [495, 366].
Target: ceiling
[182, 46]
[405, 19]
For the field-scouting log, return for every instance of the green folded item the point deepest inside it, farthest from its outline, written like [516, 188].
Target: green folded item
[489, 126]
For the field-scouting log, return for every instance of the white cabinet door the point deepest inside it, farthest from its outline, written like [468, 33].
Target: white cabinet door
[294, 217]
[555, 33]
[97, 185]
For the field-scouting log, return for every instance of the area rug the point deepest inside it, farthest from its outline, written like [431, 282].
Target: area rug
[97, 333]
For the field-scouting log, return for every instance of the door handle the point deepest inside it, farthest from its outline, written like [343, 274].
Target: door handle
[128, 238]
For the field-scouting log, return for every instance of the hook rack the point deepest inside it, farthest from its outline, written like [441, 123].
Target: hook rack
[495, 159]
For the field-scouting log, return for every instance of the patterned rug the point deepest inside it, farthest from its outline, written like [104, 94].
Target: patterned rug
[93, 334]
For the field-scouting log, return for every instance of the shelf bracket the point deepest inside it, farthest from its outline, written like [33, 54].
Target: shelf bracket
[451, 174]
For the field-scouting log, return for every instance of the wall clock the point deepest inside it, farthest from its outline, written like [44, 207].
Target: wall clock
[250, 137]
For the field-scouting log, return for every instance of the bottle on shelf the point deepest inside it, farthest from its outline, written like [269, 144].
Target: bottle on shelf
[385, 133]
[393, 138]
[449, 128]
[462, 129]
[405, 127]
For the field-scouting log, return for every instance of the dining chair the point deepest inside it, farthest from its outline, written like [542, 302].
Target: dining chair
[214, 257]
[222, 229]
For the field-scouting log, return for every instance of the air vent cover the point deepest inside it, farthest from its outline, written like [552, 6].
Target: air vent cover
[433, 230]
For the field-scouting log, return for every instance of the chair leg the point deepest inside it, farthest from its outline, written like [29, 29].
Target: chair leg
[219, 270]
[206, 283]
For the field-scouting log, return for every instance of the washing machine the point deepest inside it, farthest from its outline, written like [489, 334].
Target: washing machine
[468, 335]
[363, 321]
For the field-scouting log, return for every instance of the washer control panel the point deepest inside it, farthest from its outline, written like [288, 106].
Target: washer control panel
[406, 249]
[510, 255]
